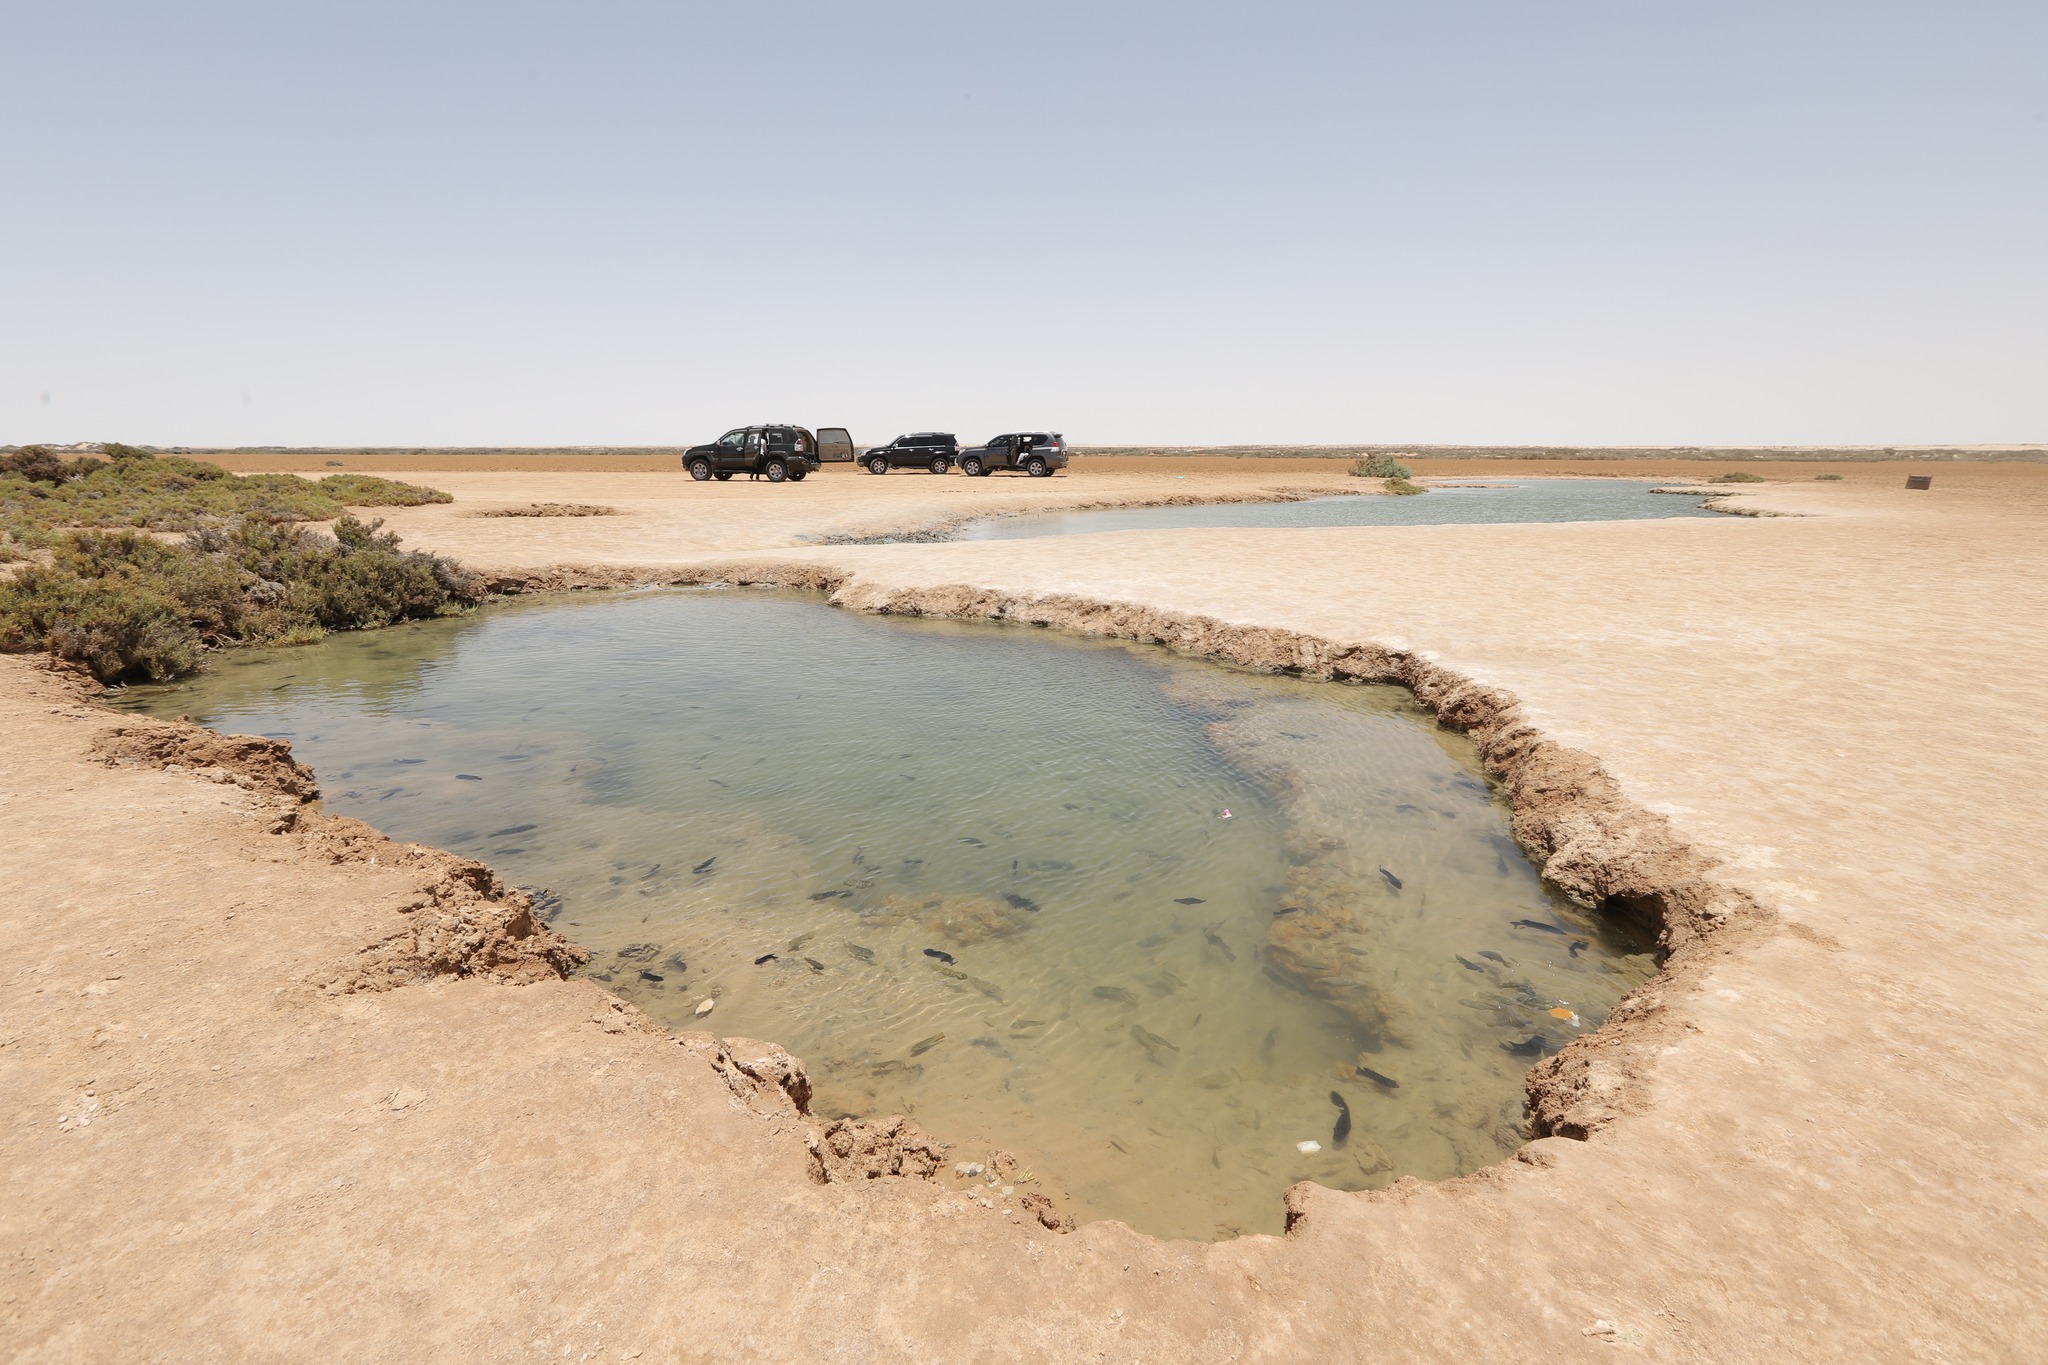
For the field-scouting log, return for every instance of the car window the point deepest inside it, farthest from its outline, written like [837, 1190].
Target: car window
[731, 440]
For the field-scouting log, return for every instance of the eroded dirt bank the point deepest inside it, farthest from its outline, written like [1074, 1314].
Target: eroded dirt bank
[1832, 1147]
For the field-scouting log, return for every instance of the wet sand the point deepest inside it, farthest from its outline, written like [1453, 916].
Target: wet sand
[1823, 1142]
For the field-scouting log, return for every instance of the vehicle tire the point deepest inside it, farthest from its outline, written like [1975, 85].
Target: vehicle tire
[722, 475]
[878, 465]
[972, 467]
[700, 469]
[1037, 468]
[776, 471]
[940, 464]
[799, 475]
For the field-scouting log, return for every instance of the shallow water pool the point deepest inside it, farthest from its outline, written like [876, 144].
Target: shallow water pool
[1180, 905]
[1503, 501]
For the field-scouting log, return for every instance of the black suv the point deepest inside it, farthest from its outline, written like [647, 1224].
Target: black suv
[933, 450]
[778, 452]
[1037, 453]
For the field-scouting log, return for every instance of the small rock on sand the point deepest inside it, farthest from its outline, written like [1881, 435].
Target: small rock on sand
[705, 1007]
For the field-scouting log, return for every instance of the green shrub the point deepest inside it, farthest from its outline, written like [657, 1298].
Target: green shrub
[1403, 488]
[131, 605]
[364, 490]
[1742, 476]
[1379, 467]
[41, 494]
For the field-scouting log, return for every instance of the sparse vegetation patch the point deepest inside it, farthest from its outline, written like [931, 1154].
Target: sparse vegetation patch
[42, 493]
[1403, 488]
[1739, 476]
[551, 509]
[1380, 467]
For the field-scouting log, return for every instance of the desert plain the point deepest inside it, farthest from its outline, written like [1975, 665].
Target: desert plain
[281, 1089]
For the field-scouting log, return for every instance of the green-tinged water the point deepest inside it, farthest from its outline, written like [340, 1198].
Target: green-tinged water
[1159, 881]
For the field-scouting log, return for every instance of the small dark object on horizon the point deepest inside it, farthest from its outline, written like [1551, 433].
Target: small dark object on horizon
[1919, 481]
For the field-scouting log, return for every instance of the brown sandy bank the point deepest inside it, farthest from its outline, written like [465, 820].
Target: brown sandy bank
[1828, 1145]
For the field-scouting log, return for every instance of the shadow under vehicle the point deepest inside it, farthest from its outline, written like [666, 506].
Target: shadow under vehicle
[1037, 453]
[933, 450]
[776, 452]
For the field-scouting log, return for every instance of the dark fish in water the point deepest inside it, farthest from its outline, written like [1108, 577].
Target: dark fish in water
[515, 829]
[799, 941]
[976, 843]
[408, 760]
[1119, 1146]
[1468, 966]
[1116, 993]
[1287, 910]
[1500, 863]
[765, 957]
[924, 1045]
[1392, 880]
[1017, 902]
[1189, 900]
[950, 973]
[1216, 941]
[1492, 956]
[1342, 1132]
[467, 777]
[701, 868]
[1576, 945]
[646, 975]
[1266, 1048]
[1532, 924]
[1151, 1041]
[829, 895]
[864, 954]
[814, 964]
[1532, 1046]
[1027, 1023]
[942, 956]
[1384, 1082]
[1153, 941]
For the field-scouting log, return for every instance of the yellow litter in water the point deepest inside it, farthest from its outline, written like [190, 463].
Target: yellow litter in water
[1562, 1013]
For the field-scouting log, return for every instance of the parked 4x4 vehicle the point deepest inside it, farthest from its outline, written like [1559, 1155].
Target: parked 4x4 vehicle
[933, 450]
[1037, 453]
[776, 451]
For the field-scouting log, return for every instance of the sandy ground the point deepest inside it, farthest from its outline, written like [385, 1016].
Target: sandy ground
[1829, 1146]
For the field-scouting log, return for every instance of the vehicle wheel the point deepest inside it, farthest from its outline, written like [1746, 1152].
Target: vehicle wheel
[776, 471]
[878, 465]
[700, 469]
[722, 475]
[1037, 468]
[972, 467]
[940, 464]
[798, 475]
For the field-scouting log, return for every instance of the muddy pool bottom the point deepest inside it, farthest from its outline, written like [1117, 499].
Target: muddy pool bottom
[1176, 935]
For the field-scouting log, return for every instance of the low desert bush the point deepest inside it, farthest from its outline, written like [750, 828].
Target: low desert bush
[1379, 467]
[1403, 488]
[42, 493]
[1740, 476]
[127, 604]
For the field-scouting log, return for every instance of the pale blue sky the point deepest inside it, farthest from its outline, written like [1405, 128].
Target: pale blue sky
[1189, 222]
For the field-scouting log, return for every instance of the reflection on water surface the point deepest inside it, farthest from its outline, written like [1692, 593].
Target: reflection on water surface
[1134, 918]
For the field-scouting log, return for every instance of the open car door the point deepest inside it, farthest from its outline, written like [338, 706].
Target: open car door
[834, 443]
